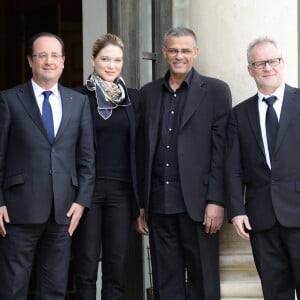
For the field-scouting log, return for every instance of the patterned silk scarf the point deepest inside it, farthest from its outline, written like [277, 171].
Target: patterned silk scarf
[108, 98]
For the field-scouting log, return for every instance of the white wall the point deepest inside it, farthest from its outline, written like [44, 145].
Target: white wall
[225, 28]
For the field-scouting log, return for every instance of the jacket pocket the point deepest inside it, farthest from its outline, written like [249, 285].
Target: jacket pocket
[297, 186]
[74, 181]
[205, 179]
[13, 180]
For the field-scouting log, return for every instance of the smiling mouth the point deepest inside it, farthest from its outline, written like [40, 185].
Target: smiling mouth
[268, 75]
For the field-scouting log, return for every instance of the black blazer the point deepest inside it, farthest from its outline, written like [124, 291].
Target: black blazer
[269, 195]
[201, 141]
[133, 116]
[34, 172]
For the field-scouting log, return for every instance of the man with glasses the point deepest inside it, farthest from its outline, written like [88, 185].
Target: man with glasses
[263, 164]
[46, 174]
[182, 140]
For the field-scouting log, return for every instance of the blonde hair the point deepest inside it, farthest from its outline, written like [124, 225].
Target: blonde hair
[105, 40]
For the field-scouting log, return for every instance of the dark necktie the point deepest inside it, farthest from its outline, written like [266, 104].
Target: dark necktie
[47, 115]
[271, 124]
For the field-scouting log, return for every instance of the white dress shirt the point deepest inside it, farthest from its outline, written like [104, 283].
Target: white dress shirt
[54, 100]
[262, 109]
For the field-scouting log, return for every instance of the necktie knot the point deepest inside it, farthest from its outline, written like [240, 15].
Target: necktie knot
[47, 94]
[270, 101]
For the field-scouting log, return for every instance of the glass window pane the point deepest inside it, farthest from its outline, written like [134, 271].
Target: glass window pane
[181, 13]
[146, 41]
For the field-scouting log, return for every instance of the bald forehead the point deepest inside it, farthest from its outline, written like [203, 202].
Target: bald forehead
[46, 44]
[264, 50]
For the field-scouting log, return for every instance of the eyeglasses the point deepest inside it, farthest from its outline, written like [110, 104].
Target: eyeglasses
[274, 62]
[45, 56]
[174, 51]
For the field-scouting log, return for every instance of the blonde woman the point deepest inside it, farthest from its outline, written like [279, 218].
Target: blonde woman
[106, 226]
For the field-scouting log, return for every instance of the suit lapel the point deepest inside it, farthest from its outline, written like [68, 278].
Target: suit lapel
[288, 111]
[67, 106]
[253, 115]
[195, 96]
[154, 111]
[28, 100]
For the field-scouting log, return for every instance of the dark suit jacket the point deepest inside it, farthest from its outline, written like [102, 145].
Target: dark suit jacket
[201, 141]
[269, 194]
[133, 116]
[34, 173]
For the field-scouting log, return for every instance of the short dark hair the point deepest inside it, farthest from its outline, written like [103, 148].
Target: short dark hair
[180, 31]
[44, 34]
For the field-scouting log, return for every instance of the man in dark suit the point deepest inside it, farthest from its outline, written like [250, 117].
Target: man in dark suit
[263, 162]
[46, 174]
[183, 118]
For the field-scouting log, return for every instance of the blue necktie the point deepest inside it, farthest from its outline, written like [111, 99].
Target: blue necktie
[47, 115]
[271, 124]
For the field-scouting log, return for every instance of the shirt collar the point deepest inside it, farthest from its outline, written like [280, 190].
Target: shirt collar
[278, 93]
[187, 80]
[38, 90]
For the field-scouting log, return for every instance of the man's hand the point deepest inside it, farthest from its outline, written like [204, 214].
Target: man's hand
[213, 218]
[141, 223]
[4, 218]
[241, 224]
[75, 213]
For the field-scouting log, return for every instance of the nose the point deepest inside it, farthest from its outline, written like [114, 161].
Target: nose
[111, 64]
[179, 54]
[48, 59]
[267, 66]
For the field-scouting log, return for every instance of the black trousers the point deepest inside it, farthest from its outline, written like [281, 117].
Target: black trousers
[104, 228]
[277, 259]
[50, 243]
[179, 245]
